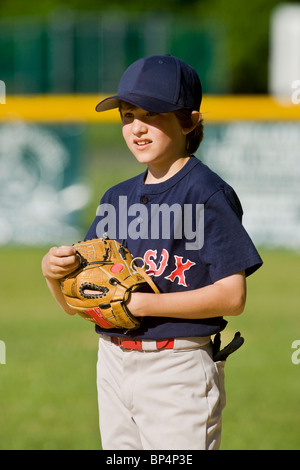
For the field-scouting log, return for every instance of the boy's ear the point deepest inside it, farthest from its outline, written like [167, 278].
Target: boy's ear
[195, 118]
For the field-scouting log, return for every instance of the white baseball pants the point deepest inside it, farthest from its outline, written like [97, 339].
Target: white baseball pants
[160, 400]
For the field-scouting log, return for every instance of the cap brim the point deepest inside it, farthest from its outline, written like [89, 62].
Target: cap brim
[109, 103]
[148, 103]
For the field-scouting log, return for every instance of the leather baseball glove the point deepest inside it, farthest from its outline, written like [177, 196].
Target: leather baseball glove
[101, 286]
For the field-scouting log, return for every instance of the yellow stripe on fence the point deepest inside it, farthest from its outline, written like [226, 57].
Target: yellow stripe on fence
[81, 108]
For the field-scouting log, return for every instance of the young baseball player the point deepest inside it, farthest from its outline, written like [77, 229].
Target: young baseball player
[159, 386]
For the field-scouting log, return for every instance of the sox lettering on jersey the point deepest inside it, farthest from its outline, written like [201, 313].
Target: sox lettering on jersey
[163, 262]
[159, 269]
[179, 271]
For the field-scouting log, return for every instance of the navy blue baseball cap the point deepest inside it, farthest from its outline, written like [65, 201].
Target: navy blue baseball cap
[160, 84]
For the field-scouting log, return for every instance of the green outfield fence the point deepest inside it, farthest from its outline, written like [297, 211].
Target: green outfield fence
[70, 52]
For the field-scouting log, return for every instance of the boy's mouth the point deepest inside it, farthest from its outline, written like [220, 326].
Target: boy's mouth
[142, 142]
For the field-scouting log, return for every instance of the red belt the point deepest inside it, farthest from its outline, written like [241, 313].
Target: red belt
[137, 345]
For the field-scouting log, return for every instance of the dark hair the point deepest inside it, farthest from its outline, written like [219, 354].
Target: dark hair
[195, 137]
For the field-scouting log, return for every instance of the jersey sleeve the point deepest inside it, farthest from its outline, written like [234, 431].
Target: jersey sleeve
[227, 247]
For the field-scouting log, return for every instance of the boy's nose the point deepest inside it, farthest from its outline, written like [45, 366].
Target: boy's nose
[139, 127]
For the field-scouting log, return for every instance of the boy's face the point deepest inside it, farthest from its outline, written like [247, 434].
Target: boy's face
[154, 139]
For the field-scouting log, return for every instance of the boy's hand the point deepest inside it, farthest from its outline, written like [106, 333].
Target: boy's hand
[59, 262]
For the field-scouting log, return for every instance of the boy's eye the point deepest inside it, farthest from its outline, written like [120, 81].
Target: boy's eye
[128, 115]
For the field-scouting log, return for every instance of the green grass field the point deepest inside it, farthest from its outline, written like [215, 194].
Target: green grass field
[48, 396]
[47, 386]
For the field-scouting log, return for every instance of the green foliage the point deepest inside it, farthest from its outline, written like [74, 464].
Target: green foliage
[35, 7]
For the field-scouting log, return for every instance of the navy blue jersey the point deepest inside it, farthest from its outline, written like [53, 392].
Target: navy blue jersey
[189, 231]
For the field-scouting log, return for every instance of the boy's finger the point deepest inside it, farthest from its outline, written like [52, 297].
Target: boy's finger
[63, 251]
[68, 261]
